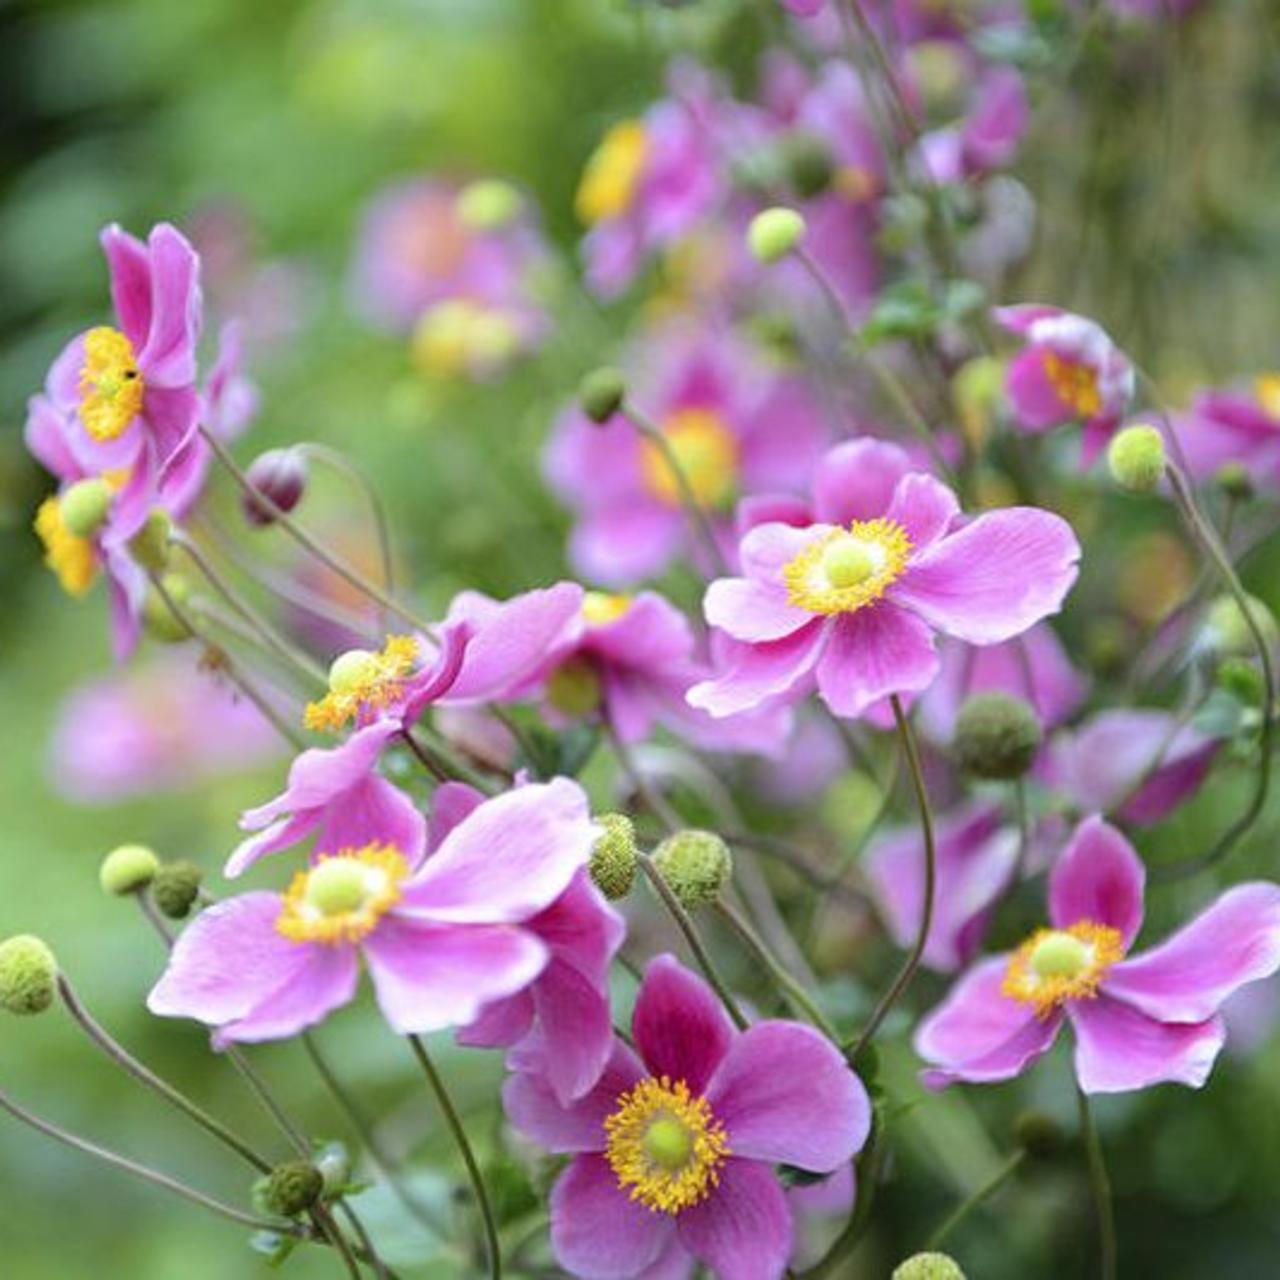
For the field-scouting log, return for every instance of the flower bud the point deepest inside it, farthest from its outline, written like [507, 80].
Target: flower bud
[176, 887]
[158, 618]
[280, 475]
[612, 865]
[150, 545]
[127, 869]
[1136, 458]
[809, 164]
[976, 391]
[84, 506]
[1234, 481]
[928, 1266]
[601, 393]
[774, 234]
[996, 737]
[488, 205]
[28, 975]
[1039, 1135]
[292, 1188]
[1243, 681]
[696, 866]
[1227, 629]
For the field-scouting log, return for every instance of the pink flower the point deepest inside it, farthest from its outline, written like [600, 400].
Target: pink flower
[851, 604]
[1068, 371]
[1235, 426]
[734, 425]
[440, 942]
[987, 137]
[674, 1147]
[1138, 1021]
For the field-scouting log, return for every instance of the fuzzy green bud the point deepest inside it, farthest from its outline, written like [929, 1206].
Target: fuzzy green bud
[1227, 629]
[1234, 481]
[809, 164]
[28, 975]
[601, 393]
[1136, 458]
[612, 866]
[176, 887]
[150, 545]
[84, 506]
[292, 1188]
[127, 869]
[488, 205]
[928, 1266]
[696, 866]
[997, 737]
[158, 618]
[774, 234]
[1039, 1135]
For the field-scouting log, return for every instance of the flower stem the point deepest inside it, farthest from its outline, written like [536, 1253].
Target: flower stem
[912, 962]
[464, 1147]
[1101, 1186]
[976, 1198]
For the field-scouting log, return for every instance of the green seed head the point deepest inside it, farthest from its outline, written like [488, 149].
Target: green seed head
[175, 888]
[28, 975]
[996, 736]
[774, 234]
[696, 865]
[668, 1143]
[1059, 955]
[1136, 458]
[847, 562]
[337, 886]
[1228, 629]
[574, 688]
[292, 1188]
[350, 670]
[127, 869]
[488, 205]
[928, 1266]
[612, 866]
[150, 545]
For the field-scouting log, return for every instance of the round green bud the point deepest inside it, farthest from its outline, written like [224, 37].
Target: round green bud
[997, 737]
[809, 164]
[1242, 679]
[574, 688]
[1234, 481]
[159, 620]
[28, 975]
[1039, 1135]
[696, 866]
[928, 1266]
[1227, 629]
[293, 1188]
[612, 865]
[1136, 458]
[84, 506]
[488, 205]
[774, 234]
[127, 869]
[175, 888]
[601, 393]
[150, 545]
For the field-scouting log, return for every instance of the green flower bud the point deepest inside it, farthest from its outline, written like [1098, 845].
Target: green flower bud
[976, 391]
[774, 234]
[84, 506]
[996, 737]
[1242, 680]
[28, 975]
[150, 545]
[809, 164]
[1136, 458]
[601, 393]
[612, 866]
[175, 888]
[1227, 629]
[488, 205]
[159, 620]
[291, 1189]
[127, 869]
[696, 866]
[1234, 481]
[1039, 1135]
[928, 1266]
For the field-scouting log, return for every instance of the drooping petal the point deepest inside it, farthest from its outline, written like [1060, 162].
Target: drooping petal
[752, 674]
[924, 507]
[995, 578]
[1098, 877]
[679, 1026]
[439, 677]
[743, 1228]
[873, 652]
[1119, 1048]
[1187, 977]
[786, 1096]
[856, 480]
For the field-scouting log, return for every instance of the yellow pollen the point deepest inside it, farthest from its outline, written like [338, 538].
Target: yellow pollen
[372, 683]
[612, 174]
[844, 570]
[1266, 387]
[1075, 383]
[1055, 965]
[72, 559]
[599, 608]
[665, 1146]
[110, 385]
[705, 452]
[343, 896]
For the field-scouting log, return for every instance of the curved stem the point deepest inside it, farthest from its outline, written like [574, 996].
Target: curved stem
[976, 1198]
[463, 1144]
[1101, 1186]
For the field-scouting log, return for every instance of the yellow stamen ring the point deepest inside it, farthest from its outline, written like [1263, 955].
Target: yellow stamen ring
[343, 896]
[111, 386]
[846, 569]
[362, 681]
[1075, 383]
[1056, 965]
[599, 608]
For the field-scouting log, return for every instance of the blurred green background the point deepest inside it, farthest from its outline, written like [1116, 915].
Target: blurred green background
[1158, 168]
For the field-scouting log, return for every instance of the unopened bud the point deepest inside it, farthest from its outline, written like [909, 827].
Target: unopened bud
[1039, 1135]
[291, 1189]
[1228, 632]
[612, 866]
[809, 164]
[601, 393]
[696, 866]
[176, 887]
[28, 975]
[150, 545]
[1243, 680]
[158, 618]
[1136, 458]
[280, 475]
[1234, 481]
[928, 1266]
[997, 736]
[84, 506]
[774, 234]
[488, 204]
[127, 869]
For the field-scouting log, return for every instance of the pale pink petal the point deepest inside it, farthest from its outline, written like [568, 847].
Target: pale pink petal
[501, 1023]
[856, 480]
[1036, 404]
[924, 507]
[1098, 878]
[680, 1028]
[743, 1229]
[597, 1233]
[768, 548]
[753, 611]
[169, 357]
[374, 811]
[450, 803]
[752, 674]
[1119, 1048]
[327, 982]
[576, 1025]
[440, 676]
[871, 653]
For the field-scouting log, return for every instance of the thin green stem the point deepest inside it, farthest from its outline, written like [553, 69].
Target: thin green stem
[1101, 1187]
[323, 1218]
[976, 1198]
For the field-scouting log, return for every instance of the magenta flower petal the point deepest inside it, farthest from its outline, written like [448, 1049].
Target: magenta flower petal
[979, 1034]
[743, 1230]
[1098, 877]
[169, 357]
[1189, 976]
[856, 480]
[924, 507]
[130, 268]
[575, 1022]
[766, 549]
[752, 611]
[429, 978]
[872, 653]
[754, 673]
[597, 1233]
[1036, 404]
[679, 1026]
[1118, 1048]
[434, 681]
[501, 1023]
[374, 810]
[994, 578]
[450, 803]
[786, 1096]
